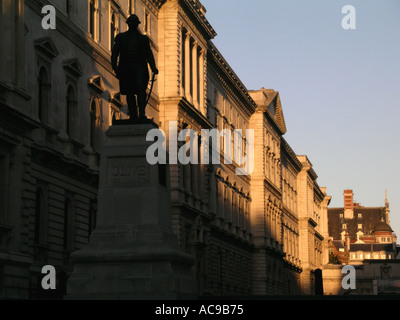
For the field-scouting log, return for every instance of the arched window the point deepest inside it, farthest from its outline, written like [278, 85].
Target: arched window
[113, 27]
[92, 17]
[94, 125]
[184, 58]
[71, 111]
[114, 116]
[43, 94]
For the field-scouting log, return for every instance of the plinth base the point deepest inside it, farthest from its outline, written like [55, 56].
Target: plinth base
[133, 252]
[136, 271]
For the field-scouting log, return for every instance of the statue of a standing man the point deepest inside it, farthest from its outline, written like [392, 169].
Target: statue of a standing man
[134, 53]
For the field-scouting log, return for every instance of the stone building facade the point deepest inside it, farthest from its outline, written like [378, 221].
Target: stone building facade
[258, 234]
[358, 233]
[312, 212]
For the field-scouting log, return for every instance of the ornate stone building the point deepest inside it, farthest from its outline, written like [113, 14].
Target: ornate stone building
[312, 211]
[274, 209]
[358, 233]
[257, 234]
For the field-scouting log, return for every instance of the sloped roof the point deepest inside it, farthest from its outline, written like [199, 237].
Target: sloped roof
[266, 98]
[370, 217]
[371, 247]
[382, 226]
[338, 244]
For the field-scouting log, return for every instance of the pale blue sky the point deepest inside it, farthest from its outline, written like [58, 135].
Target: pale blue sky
[340, 89]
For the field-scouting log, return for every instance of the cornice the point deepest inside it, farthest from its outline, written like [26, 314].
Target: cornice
[286, 211]
[272, 188]
[15, 121]
[195, 9]
[319, 236]
[216, 58]
[312, 222]
[292, 155]
[318, 192]
[69, 167]
[194, 113]
[222, 234]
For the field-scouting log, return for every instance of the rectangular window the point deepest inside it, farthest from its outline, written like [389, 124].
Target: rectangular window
[183, 67]
[113, 27]
[198, 74]
[344, 226]
[131, 6]
[147, 21]
[191, 66]
[68, 7]
[359, 226]
[92, 18]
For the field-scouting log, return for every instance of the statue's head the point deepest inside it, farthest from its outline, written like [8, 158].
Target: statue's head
[133, 21]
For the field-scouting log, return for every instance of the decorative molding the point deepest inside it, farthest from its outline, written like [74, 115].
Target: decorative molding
[77, 36]
[116, 99]
[47, 47]
[96, 82]
[229, 80]
[196, 9]
[74, 67]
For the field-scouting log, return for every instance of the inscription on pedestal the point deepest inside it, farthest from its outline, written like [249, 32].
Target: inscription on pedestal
[123, 171]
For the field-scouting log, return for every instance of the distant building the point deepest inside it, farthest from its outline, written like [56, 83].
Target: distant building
[358, 233]
[362, 237]
[373, 277]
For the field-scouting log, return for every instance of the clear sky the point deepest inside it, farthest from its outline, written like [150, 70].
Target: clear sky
[340, 89]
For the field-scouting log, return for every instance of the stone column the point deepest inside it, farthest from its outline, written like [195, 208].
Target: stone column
[133, 252]
[194, 74]
[182, 50]
[201, 79]
[187, 67]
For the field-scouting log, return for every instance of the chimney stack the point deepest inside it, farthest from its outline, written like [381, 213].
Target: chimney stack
[347, 241]
[387, 210]
[348, 204]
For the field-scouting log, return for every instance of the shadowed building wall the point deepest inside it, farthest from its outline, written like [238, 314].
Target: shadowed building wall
[58, 95]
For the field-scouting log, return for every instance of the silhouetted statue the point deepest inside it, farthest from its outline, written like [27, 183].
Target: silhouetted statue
[134, 53]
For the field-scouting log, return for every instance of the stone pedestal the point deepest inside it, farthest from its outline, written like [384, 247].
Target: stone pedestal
[132, 253]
